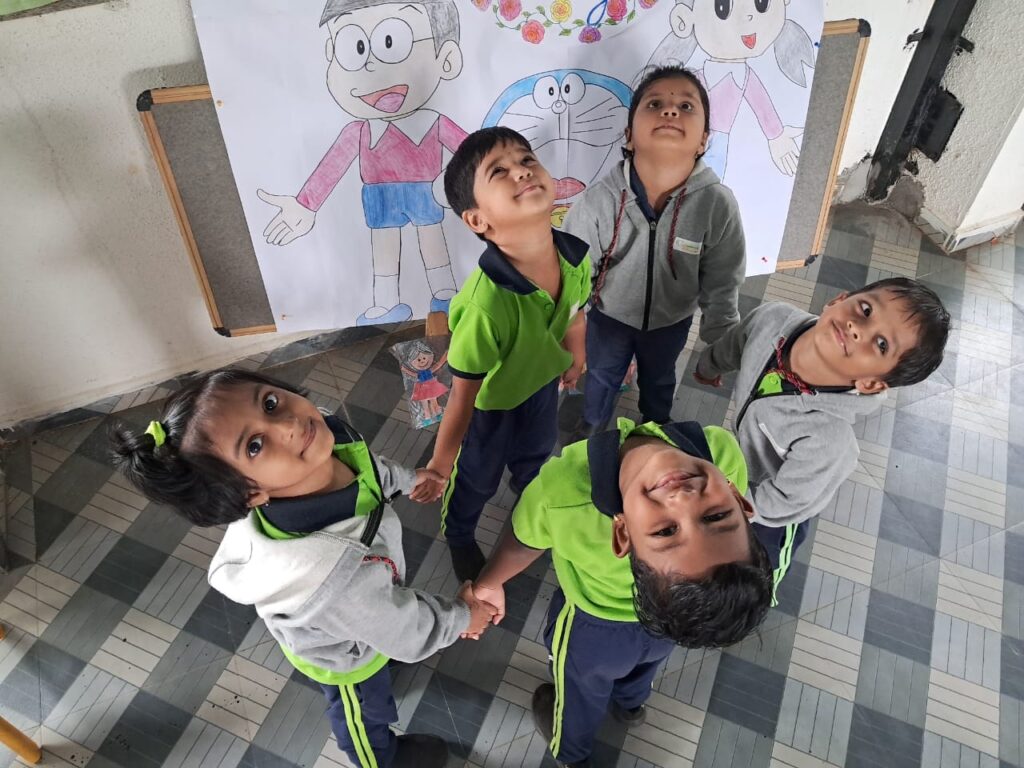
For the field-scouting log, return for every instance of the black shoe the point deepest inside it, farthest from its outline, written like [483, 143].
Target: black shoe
[420, 750]
[467, 560]
[629, 717]
[585, 431]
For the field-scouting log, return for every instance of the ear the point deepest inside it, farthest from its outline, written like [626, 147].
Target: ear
[745, 506]
[258, 498]
[450, 57]
[704, 143]
[841, 297]
[329, 49]
[621, 545]
[681, 20]
[475, 220]
[628, 136]
[870, 386]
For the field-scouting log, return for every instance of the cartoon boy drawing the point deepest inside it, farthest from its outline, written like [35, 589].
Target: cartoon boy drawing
[730, 32]
[385, 60]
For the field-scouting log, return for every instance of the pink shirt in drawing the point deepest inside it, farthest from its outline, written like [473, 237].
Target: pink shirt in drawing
[387, 153]
[728, 84]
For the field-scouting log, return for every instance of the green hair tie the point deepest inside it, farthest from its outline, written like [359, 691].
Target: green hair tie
[156, 429]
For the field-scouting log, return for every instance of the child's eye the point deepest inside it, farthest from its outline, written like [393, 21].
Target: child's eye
[253, 447]
[714, 517]
[529, 160]
[883, 345]
[497, 171]
[270, 402]
[865, 308]
[667, 531]
[686, 106]
[654, 104]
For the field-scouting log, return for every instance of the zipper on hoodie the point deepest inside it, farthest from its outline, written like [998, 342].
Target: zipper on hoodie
[653, 226]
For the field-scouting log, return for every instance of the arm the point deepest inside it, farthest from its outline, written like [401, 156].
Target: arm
[449, 133]
[761, 104]
[332, 167]
[726, 353]
[454, 424]
[582, 221]
[440, 363]
[509, 559]
[722, 266]
[575, 342]
[394, 478]
[809, 477]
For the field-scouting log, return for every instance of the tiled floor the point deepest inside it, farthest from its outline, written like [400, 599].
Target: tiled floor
[899, 640]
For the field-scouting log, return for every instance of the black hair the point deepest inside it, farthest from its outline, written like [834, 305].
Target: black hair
[719, 610]
[926, 311]
[666, 71]
[461, 171]
[182, 472]
[443, 16]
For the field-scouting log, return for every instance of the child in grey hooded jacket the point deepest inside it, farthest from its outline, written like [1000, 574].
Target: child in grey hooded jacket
[670, 239]
[311, 542]
[804, 380]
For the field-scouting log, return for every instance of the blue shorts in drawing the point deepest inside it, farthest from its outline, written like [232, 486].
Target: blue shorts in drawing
[573, 118]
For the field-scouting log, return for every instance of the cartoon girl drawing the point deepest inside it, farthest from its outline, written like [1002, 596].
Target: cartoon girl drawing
[421, 366]
[730, 32]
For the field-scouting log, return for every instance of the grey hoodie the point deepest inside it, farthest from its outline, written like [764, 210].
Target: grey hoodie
[799, 448]
[709, 253]
[331, 600]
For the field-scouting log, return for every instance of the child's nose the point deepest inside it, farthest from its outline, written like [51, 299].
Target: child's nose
[853, 330]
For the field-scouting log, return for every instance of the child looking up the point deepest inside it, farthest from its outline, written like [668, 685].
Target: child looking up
[241, 449]
[669, 237]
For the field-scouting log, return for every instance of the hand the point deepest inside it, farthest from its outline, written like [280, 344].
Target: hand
[785, 151]
[715, 382]
[572, 376]
[293, 220]
[428, 487]
[480, 613]
[494, 596]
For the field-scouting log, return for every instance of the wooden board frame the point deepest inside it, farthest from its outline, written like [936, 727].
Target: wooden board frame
[847, 27]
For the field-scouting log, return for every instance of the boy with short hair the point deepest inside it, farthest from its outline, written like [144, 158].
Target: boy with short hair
[650, 539]
[804, 380]
[517, 328]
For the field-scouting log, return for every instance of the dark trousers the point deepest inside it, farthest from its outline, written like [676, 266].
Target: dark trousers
[361, 715]
[611, 346]
[595, 662]
[521, 439]
[781, 544]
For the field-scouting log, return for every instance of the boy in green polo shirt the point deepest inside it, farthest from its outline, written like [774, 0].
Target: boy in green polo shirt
[517, 329]
[652, 544]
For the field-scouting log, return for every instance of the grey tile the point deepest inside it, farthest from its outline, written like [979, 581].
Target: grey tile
[187, 671]
[367, 422]
[1011, 735]
[221, 621]
[921, 436]
[853, 247]
[174, 593]
[481, 663]
[835, 603]
[1011, 679]
[84, 623]
[893, 685]
[67, 543]
[204, 745]
[880, 741]
[966, 650]
[841, 274]
[145, 734]
[905, 573]
[520, 593]
[899, 626]
[159, 527]
[1013, 610]
[724, 744]
[453, 710]
[814, 722]
[1014, 562]
[747, 694]
[126, 570]
[915, 477]
[911, 524]
[945, 753]
[771, 646]
[689, 676]
[295, 728]
[39, 681]
[378, 391]
[255, 757]
[789, 593]
[973, 544]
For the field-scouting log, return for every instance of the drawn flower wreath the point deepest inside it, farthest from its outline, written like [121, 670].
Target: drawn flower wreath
[534, 24]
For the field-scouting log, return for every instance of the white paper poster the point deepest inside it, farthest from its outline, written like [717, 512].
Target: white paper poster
[340, 116]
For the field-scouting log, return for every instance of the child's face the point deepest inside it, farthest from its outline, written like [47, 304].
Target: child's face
[731, 30]
[512, 190]
[680, 515]
[860, 338]
[422, 361]
[382, 63]
[276, 438]
[669, 119]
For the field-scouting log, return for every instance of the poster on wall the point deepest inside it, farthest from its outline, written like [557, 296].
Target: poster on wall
[339, 117]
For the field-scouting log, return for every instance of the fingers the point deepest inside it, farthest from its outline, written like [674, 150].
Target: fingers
[275, 222]
[277, 233]
[277, 200]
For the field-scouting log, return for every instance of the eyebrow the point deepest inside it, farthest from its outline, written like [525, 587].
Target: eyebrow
[411, 7]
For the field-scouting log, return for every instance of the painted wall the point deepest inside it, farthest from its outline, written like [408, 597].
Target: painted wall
[884, 66]
[1002, 192]
[985, 83]
[98, 294]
